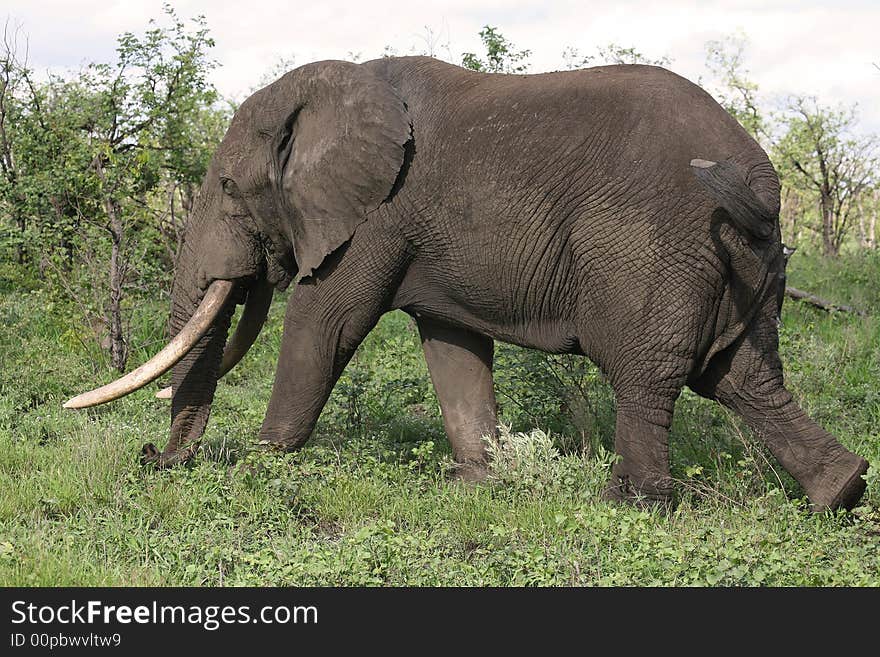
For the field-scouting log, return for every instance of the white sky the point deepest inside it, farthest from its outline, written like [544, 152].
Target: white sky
[823, 48]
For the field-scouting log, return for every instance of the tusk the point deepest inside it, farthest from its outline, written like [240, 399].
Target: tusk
[256, 308]
[215, 299]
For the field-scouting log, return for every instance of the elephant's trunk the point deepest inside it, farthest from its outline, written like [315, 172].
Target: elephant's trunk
[194, 377]
[256, 309]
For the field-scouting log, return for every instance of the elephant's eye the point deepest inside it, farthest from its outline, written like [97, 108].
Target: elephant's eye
[228, 185]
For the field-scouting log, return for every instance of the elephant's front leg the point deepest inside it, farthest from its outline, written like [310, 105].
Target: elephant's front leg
[460, 363]
[306, 373]
[327, 318]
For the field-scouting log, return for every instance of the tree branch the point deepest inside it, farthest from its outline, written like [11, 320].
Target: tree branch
[797, 165]
[818, 302]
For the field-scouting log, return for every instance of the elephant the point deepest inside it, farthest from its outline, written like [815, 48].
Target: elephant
[616, 212]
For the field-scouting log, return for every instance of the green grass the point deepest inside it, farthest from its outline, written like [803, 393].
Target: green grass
[367, 502]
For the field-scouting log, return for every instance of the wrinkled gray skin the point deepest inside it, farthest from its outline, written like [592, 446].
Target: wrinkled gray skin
[557, 211]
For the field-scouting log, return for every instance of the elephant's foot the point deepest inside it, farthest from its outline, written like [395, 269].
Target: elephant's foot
[842, 484]
[270, 443]
[470, 472]
[152, 457]
[620, 489]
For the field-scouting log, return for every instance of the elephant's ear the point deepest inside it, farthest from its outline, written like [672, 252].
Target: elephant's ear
[339, 154]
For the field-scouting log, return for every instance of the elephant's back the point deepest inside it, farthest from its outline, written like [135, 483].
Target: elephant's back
[531, 190]
[564, 102]
[631, 121]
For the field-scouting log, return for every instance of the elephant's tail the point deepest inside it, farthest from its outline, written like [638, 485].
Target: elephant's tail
[751, 267]
[728, 187]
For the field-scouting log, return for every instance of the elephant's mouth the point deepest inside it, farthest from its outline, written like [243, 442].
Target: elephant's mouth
[218, 295]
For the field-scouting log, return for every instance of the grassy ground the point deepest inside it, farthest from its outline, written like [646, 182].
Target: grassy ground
[367, 502]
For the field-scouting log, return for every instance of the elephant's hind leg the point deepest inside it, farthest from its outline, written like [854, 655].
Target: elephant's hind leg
[745, 380]
[460, 363]
[641, 440]
[647, 375]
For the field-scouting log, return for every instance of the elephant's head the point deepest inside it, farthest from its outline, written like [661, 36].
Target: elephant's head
[303, 163]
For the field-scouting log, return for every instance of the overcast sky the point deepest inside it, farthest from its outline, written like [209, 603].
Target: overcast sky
[823, 48]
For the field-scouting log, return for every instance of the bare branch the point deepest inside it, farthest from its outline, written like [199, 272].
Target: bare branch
[818, 302]
[799, 167]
